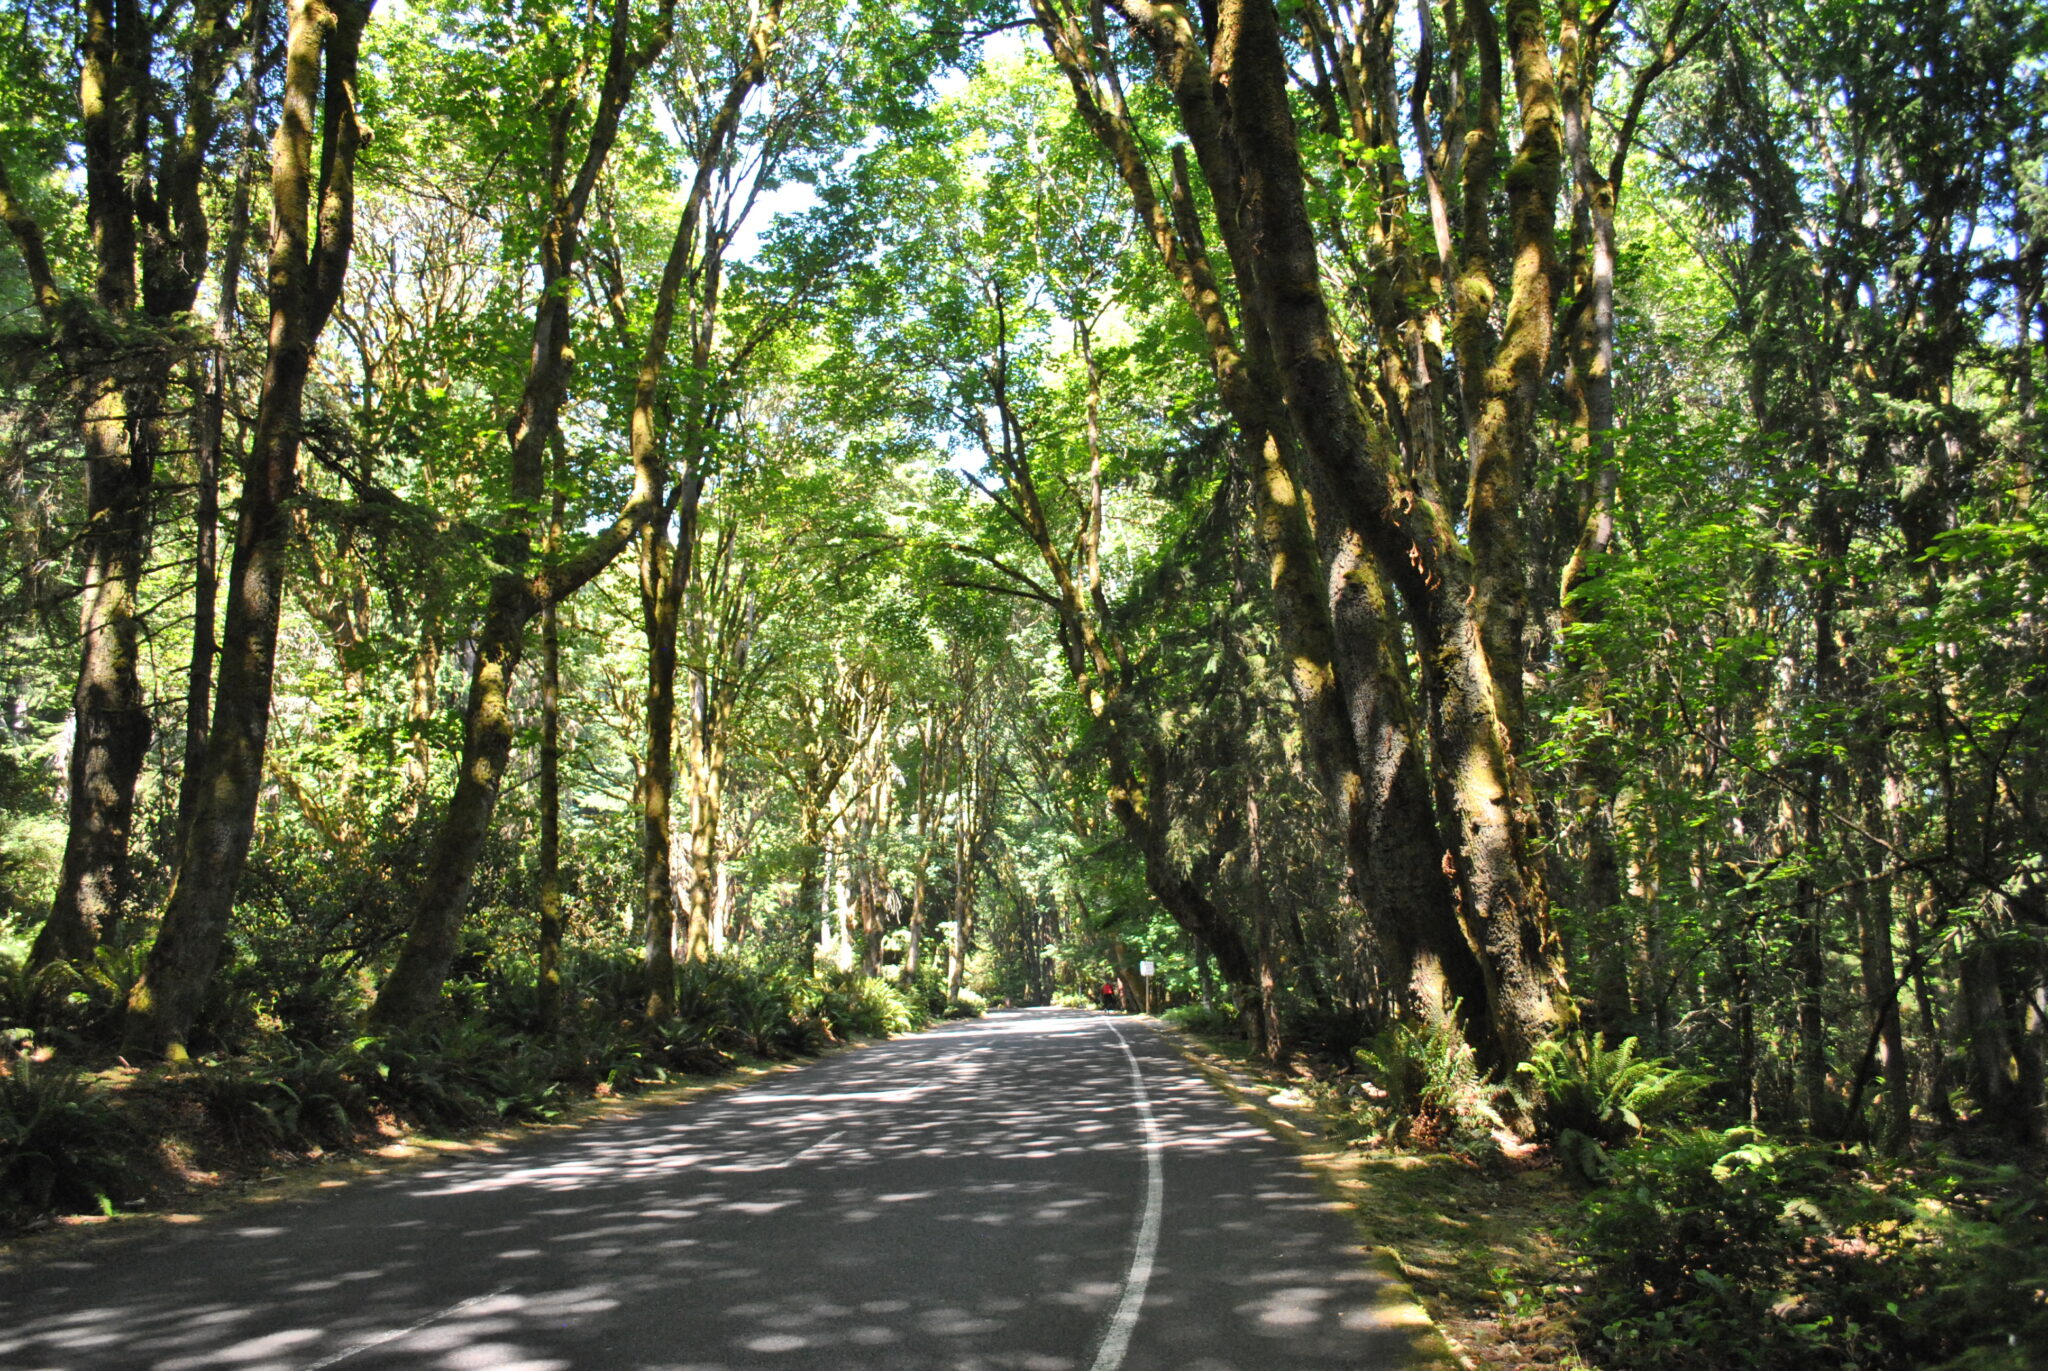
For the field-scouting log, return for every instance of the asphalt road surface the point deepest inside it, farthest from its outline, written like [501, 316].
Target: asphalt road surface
[1043, 1190]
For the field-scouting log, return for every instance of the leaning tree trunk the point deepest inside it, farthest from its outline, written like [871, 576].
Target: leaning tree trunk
[110, 712]
[207, 447]
[1502, 906]
[306, 267]
[144, 211]
[413, 988]
[1329, 603]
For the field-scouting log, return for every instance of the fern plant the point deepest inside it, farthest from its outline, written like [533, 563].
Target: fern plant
[1428, 1079]
[289, 1097]
[36, 998]
[60, 1146]
[1607, 1094]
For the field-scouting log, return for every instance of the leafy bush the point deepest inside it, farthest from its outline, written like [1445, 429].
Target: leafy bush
[764, 1016]
[687, 1046]
[458, 1072]
[60, 1146]
[37, 1000]
[1217, 1020]
[1335, 1032]
[289, 1097]
[1732, 1250]
[613, 1056]
[107, 980]
[406, 1074]
[927, 990]
[605, 983]
[1607, 1094]
[1424, 1082]
[1591, 1097]
[866, 1006]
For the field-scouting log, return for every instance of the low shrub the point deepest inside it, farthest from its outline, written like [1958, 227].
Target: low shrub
[288, 1097]
[1423, 1083]
[764, 1016]
[1731, 1250]
[927, 990]
[1607, 1093]
[1217, 1020]
[106, 981]
[1591, 1097]
[687, 1046]
[61, 1147]
[459, 1072]
[853, 1005]
[38, 1003]
[1336, 1032]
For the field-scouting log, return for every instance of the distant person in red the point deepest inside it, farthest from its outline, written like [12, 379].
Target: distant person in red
[1109, 995]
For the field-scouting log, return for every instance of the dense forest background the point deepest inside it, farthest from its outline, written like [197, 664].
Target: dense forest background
[1495, 545]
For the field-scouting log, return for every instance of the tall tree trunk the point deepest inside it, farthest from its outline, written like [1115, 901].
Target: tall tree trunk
[1459, 599]
[662, 575]
[1329, 601]
[207, 446]
[111, 727]
[306, 268]
[144, 212]
[657, 899]
[548, 952]
[920, 885]
[414, 985]
[707, 795]
[1991, 1055]
[1272, 1037]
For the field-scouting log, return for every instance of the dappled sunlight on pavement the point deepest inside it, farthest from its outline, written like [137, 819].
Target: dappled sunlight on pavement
[965, 1198]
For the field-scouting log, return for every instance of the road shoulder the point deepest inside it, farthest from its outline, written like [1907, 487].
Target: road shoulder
[280, 1180]
[1322, 1158]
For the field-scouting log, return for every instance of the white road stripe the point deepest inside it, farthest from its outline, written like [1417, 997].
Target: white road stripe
[396, 1333]
[795, 1157]
[1116, 1342]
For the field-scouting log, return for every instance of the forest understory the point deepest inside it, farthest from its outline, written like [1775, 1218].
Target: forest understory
[1512, 1251]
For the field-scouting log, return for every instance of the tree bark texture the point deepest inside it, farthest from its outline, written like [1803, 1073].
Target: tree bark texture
[1232, 98]
[308, 256]
[414, 985]
[149, 240]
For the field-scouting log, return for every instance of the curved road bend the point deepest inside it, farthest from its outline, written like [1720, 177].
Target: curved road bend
[1043, 1190]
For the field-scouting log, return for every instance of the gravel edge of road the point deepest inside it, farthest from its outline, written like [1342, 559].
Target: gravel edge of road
[72, 1237]
[1398, 1301]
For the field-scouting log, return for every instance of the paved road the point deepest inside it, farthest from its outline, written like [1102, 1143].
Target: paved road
[1041, 1190]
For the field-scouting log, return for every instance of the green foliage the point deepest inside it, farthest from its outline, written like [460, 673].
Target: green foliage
[61, 1147]
[62, 1005]
[1424, 1083]
[35, 1001]
[926, 992]
[457, 1073]
[284, 1097]
[1218, 1020]
[1734, 1250]
[852, 1005]
[1590, 1096]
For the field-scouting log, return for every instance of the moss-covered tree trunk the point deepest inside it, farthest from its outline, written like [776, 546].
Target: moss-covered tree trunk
[1232, 96]
[308, 256]
[149, 246]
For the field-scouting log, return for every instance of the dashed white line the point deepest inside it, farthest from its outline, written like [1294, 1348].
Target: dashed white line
[396, 1333]
[795, 1157]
